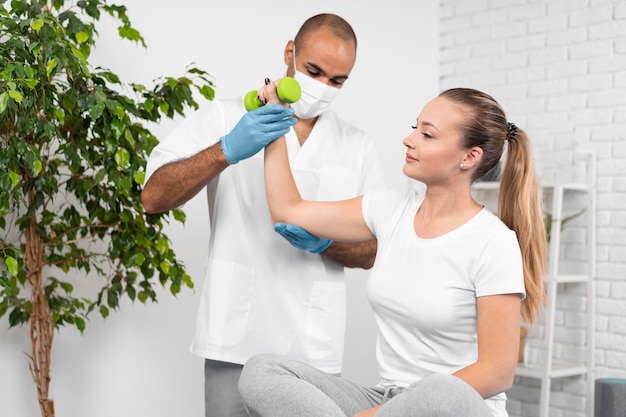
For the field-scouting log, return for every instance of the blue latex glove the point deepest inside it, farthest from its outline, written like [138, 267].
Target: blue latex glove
[255, 130]
[301, 239]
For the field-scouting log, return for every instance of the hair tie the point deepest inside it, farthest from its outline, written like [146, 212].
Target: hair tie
[511, 131]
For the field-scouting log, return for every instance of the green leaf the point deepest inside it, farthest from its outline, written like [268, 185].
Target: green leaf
[67, 287]
[132, 294]
[15, 178]
[35, 48]
[179, 215]
[4, 283]
[15, 95]
[5, 183]
[139, 259]
[175, 289]
[31, 83]
[207, 92]
[80, 323]
[104, 311]
[140, 177]
[60, 115]
[36, 24]
[162, 246]
[12, 265]
[100, 175]
[117, 126]
[122, 157]
[78, 54]
[4, 209]
[187, 280]
[4, 101]
[129, 138]
[112, 299]
[82, 37]
[37, 166]
[165, 267]
[50, 66]
[129, 33]
[96, 110]
[17, 317]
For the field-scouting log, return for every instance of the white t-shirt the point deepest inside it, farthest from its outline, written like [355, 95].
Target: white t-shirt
[260, 294]
[423, 291]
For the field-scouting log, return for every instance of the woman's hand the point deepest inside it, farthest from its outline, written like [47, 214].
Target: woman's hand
[269, 95]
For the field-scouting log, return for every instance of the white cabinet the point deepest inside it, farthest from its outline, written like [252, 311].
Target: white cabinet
[550, 366]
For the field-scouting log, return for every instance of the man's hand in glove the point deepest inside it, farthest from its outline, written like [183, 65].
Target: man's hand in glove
[255, 130]
[301, 239]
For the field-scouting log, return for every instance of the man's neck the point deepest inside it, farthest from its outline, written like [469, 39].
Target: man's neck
[303, 129]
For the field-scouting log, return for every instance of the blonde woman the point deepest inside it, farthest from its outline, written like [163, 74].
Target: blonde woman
[450, 279]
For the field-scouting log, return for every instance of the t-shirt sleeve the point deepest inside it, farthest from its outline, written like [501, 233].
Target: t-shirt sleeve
[378, 207]
[499, 269]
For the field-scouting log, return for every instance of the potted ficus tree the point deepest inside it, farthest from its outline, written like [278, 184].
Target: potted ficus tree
[73, 148]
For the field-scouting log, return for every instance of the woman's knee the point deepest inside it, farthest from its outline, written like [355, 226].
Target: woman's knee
[255, 370]
[441, 383]
[445, 395]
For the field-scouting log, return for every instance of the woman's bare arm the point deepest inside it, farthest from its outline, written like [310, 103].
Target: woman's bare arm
[498, 345]
[337, 220]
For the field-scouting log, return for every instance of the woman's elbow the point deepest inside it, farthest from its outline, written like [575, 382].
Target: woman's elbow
[497, 378]
[507, 382]
[284, 213]
[505, 378]
[276, 216]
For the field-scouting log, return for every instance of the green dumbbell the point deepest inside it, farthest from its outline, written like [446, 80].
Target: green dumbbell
[288, 90]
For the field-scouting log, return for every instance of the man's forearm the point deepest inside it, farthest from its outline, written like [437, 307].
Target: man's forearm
[352, 254]
[176, 183]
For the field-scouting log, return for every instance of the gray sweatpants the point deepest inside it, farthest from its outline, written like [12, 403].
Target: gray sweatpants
[274, 386]
[221, 396]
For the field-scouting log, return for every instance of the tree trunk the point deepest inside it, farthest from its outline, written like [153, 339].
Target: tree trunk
[41, 325]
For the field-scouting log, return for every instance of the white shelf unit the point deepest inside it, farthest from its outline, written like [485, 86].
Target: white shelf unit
[551, 369]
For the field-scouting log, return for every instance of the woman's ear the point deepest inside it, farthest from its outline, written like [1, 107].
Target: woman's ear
[473, 157]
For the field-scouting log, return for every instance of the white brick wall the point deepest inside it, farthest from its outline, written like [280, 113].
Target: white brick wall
[559, 69]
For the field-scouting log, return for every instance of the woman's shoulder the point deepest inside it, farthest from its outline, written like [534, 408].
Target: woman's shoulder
[387, 203]
[489, 219]
[392, 197]
[492, 230]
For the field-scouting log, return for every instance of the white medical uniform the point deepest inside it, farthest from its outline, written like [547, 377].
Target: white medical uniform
[260, 294]
[423, 291]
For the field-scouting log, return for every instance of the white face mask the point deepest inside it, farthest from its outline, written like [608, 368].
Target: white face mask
[316, 98]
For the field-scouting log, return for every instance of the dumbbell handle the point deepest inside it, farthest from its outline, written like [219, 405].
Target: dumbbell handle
[288, 90]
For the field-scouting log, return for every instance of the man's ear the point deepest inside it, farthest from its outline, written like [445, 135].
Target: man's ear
[473, 157]
[288, 53]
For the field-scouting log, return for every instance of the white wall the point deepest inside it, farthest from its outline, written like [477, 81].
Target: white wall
[559, 69]
[137, 361]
